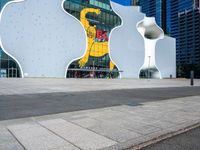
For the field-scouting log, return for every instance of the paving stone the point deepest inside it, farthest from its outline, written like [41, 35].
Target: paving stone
[11, 146]
[108, 128]
[139, 114]
[106, 115]
[86, 122]
[83, 138]
[8, 142]
[5, 137]
[175, 118]
[162, 124]
[115, 132]
[134, 125]
[35, 137]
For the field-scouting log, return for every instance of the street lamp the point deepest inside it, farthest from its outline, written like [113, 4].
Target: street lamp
[148, 70]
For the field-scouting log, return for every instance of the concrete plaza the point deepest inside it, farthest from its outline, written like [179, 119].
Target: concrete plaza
[117, 127]
[39, 85]
[134, 119]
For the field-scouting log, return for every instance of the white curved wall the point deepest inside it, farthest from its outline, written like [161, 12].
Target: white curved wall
[41, 37]
[126, 43]
[166, 57]
[151, 33]
[130, 48]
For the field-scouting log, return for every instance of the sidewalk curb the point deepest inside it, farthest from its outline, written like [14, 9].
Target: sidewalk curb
[163, 137]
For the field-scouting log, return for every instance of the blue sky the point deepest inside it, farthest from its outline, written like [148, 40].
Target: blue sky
[123, 2]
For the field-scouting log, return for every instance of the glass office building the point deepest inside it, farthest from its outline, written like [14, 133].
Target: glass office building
[188, 43]
[96, 63]
[172, 9]
[183, 24]
[154, 8]
[8, 67]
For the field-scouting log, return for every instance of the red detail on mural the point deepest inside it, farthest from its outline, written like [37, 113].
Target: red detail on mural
[101, 35]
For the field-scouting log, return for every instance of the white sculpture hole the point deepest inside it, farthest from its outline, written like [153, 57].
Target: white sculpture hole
[151, 33]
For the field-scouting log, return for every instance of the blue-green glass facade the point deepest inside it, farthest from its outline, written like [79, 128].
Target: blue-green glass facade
[184, 25]
[8, 67]
[154, 8]
[95, 67]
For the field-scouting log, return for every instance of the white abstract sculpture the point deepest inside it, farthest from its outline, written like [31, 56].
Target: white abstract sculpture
[126, 43]
[151, 33]
[165, 57]
[41, 36]
[139, 48]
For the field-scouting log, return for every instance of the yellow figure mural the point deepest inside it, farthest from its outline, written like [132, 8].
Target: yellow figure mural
[95, 49]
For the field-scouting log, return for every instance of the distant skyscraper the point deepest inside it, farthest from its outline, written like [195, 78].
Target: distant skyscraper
[188, 42]
[173, 7]
[155, 8]
[179, 19]
[183, 23]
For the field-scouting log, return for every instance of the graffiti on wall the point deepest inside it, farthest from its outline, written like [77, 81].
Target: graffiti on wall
[98, 23]
[95, 49]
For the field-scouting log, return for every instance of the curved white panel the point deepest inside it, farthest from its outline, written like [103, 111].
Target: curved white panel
[126, 43]
[151, 33]
[166, 57]
[41, 36]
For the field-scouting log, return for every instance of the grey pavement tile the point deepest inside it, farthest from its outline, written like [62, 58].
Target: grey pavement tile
[134, 125]
[141, 113]
[83, 138]
[86, 122]
[181, 126]
[104, 114]
[35, 137]
[11, 146]
[115, 115]
[8, 142]
[47, 142]
[27, 121]
[6, 137]
[145, 129]
[162, 124]
[178, 117]
[115, 132]
[108, 129]
[191, 110]
[24, 126]
[140, 124]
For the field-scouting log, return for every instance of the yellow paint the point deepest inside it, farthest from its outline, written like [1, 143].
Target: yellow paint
[95, 49]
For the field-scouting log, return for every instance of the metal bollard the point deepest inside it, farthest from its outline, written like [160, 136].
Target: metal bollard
[192, 78]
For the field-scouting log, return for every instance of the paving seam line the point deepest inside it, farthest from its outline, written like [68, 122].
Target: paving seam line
[16, 139]
[164, 137]
[59, 136]
[93, 131]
